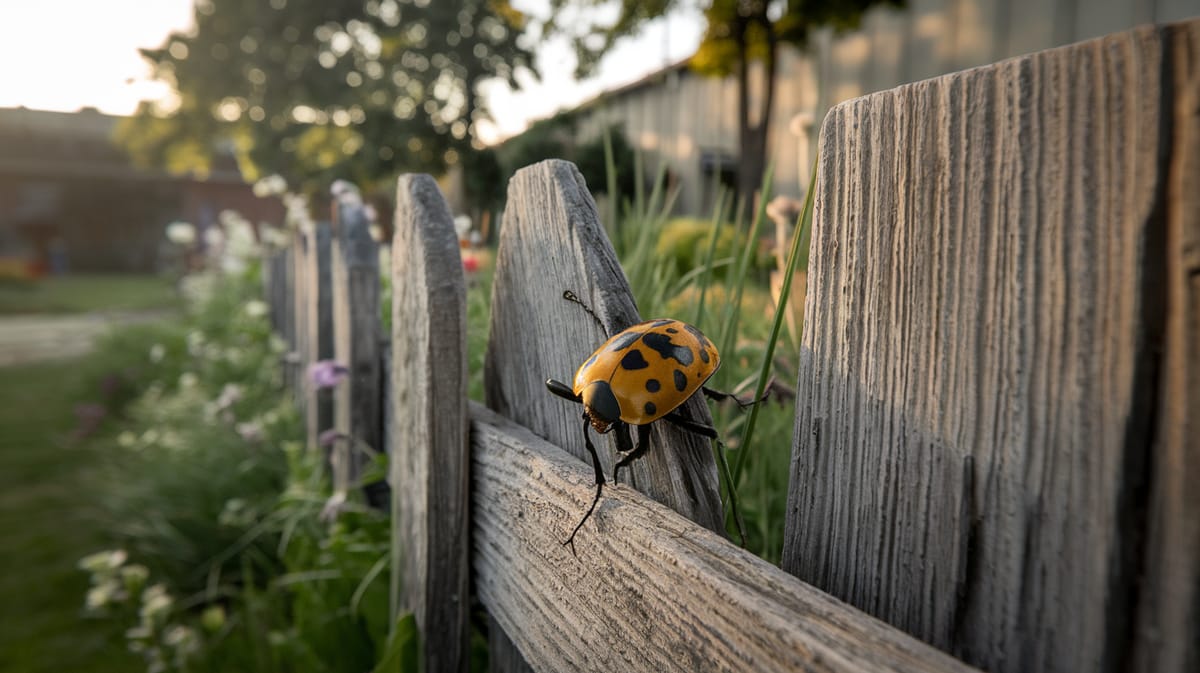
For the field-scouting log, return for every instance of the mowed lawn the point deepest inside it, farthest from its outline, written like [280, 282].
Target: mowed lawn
[46, 500]
[77, 293]
[44, 529]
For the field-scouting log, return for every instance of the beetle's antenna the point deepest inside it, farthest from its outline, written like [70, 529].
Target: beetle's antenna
[572, 297]
[599, 485]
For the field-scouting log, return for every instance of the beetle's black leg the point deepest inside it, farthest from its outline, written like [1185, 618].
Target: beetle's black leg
[624, 445]
[642, 445]
[572, 297]
[719, 396]
[599, 484]
[562, 390]
[692, 426]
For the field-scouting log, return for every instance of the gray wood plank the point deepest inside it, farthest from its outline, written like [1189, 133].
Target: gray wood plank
[318, 329]
[981, 447]
[357, 338]
[301, 246]
[552, 241]
[430, 459]
[1168, 615]
[653, 592]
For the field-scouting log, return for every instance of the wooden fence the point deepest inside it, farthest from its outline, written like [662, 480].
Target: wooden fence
[996, 415]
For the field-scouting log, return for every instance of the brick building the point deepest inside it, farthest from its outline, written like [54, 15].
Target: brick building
[71, 199]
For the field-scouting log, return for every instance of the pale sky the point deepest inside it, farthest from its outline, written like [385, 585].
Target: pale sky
[69, 54]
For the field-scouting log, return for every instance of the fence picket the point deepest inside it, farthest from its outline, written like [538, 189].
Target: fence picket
[552, 241]
[299, 247]
[978, 455]
[430, 455]
[317, 328]
[356, 340]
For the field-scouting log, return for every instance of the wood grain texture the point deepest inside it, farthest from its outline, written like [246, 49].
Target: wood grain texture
[357, 338]
[1168, 636]
[980, 450]
[552, 241]
[430, 459]
[300, 246]
[653, 591]
[318, 328]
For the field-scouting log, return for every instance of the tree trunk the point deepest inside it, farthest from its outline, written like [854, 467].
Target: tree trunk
[752, 162]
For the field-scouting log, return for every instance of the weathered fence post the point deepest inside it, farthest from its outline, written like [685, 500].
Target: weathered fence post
[317, 329]
[275, 287]
[430, 455]
[996, 443]
[552, 241]
[356, 339]
[300, 246]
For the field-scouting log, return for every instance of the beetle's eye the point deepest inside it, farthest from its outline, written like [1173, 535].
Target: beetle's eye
[599, 399]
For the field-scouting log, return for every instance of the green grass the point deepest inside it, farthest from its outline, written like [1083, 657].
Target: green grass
[81, 292]
[44, 529]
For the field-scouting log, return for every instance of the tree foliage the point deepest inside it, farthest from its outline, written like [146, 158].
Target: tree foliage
[557, 138]
[738, 33]
[355, 89]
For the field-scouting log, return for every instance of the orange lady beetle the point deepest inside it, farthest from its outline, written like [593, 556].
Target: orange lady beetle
[640, 375]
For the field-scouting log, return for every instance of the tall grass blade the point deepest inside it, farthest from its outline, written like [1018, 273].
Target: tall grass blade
[720, 213]
[729, 328]
[805, 222]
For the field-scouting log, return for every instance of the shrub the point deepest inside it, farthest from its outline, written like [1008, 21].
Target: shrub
[685, 240]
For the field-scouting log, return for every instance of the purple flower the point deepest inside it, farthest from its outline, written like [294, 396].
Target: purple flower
[327, 373]
[89, 416]
[328, 437]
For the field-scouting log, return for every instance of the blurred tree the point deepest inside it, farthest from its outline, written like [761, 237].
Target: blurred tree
[354, 89]
[739, 33]
[593, 162]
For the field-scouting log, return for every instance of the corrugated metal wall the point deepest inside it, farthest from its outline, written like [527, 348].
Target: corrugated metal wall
[682, 118]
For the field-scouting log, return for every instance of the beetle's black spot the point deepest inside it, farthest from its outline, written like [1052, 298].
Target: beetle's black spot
[650, 408]
[698, 334]
[653, 385]
[662, 344]
[634, 360]
[672, 330]
[704, 355]
[680, 381]
[623, 341]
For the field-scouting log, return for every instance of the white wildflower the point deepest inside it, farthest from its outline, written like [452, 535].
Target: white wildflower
[181, 233]
[230, 395]
[462, 225]
[156, 603]
[157, 353]
[255, 308]
[251, 431]
[103, 561]
[272, 185]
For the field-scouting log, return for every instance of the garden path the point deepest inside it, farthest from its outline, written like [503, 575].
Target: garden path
[33, 338]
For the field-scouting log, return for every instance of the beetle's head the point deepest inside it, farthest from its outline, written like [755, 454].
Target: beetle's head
[601, 406]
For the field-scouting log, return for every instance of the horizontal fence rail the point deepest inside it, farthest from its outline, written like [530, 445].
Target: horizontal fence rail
[649, 590]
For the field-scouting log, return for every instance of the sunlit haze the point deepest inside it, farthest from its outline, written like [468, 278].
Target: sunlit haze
[71, 54]
[74, 53]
